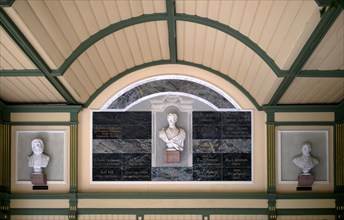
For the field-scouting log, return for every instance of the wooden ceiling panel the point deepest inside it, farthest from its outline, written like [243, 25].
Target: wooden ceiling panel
[11, 56]
[314, 91]
[28, 90]
[28, 23]
[329, 55]
[72, 82]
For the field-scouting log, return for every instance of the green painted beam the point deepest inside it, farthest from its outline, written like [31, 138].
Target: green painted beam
[39, 211]
[33, 55]
[6, 3]
[237, 35]
[313, 41]
[171, 22]
[321, 73]
[18, 73]
[300, 108]
[43, 108]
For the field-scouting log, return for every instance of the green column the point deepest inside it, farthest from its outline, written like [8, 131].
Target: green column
[271, 172]
[339, 170]
[5, 170]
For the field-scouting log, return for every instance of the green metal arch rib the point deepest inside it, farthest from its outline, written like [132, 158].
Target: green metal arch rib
[165, 17]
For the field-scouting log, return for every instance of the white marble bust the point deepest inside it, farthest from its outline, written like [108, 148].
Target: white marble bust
[37, 160]
[173, 137]
[305, 161]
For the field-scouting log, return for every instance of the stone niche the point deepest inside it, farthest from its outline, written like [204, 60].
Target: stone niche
[127, 147]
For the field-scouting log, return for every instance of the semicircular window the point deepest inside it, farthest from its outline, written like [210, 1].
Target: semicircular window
[181, 86]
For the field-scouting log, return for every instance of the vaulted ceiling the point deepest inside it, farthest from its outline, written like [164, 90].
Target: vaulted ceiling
[68, 51]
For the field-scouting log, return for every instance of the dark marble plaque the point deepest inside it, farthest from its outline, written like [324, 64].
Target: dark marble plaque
[206, 160]
[122, 125]
[237, 174]
[221, 125]
[207, 174]
[121, 167]
[137, 174]
[237, 160]
[172, 174]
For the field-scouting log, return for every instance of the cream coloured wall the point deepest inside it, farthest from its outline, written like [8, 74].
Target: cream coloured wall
[85, 146]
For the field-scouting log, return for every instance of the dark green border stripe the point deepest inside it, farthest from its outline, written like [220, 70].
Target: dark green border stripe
[16, 73]
[302, 123]
[175, 211]
[43, 108]
[40, 196]
[317, 211]
[105, 32]
[171, 22]
[172, 196]
[313, 41]
[38, 211]
[321, 73]
[306, 196]
[301, 108]
[237, 35]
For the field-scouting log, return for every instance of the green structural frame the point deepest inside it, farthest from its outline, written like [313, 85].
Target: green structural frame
[271, 195]
[172, 17]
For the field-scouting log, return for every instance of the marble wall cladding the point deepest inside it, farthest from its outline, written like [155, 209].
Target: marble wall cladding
[171, 85]
[122, 146]
[172, 174]
[221, 148]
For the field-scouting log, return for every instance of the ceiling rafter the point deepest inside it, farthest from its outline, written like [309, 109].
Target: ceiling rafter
[33, 55]
[172, 37]
[321, 73]
[313, 41]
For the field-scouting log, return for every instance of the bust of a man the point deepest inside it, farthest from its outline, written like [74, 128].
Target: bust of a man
[37, 160]
[305, 161]
[173, 137]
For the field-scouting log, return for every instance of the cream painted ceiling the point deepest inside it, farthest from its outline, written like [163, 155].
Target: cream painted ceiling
[67, 51]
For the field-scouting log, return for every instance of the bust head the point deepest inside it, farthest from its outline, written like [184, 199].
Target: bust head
[172, 118]
[37, 146]
[306, 149]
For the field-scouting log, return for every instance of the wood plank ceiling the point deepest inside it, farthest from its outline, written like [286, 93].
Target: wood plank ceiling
[277, 52]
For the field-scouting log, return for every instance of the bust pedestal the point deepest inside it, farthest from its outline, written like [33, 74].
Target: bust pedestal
[38, 179]
[305, 182]
[172, 156]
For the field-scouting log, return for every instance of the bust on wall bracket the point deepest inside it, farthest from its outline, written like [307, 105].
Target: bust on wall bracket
[305, 162]
[37, 161]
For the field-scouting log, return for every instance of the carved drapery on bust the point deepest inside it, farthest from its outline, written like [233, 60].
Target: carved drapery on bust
[173, 137]
[37, 160]
[305, 161]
